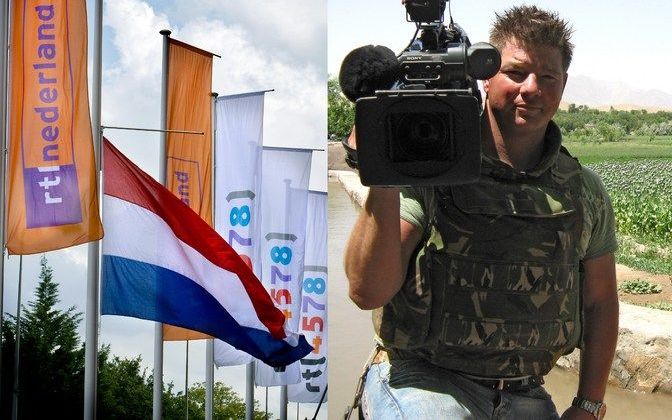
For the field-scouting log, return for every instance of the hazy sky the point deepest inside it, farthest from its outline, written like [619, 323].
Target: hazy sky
[263, 44]
[615, 40]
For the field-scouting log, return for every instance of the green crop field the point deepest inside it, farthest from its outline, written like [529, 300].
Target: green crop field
[638, 176]
[623, 151]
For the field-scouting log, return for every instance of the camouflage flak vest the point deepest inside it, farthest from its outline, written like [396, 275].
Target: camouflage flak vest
[497, 290]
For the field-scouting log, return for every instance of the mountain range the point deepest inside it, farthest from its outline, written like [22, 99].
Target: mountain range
[583, 90]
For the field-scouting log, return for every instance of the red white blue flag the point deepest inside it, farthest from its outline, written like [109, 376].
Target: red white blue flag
[162, 262]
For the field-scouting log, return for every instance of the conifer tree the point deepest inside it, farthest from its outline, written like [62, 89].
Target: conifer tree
[51, 373]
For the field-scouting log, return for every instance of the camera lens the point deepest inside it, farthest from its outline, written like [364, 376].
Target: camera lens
[420, 136]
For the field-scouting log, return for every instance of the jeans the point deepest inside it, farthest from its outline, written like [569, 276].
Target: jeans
[415, 389]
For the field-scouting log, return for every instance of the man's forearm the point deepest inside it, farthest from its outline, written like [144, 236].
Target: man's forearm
[600, 336]
[373, 262]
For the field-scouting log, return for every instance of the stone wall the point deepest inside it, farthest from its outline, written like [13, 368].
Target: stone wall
[643, 360]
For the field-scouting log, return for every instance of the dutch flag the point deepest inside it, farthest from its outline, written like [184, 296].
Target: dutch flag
[162, 262]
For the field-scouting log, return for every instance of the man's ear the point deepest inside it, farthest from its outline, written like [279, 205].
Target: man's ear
[486, 85]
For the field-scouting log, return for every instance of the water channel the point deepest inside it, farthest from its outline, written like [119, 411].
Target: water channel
[351, 332]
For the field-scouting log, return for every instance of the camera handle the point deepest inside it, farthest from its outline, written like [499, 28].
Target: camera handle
[409, 91]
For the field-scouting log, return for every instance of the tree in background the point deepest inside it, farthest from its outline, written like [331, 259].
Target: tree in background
[592, 125]
[124, 391]
[51, 372]
[340, 112]
[227, 404]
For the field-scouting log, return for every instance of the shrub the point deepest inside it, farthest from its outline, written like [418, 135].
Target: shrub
[640, 287]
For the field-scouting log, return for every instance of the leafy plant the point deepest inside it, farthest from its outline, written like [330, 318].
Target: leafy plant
[648, 256]
[340, 112]
[663, 306]
[640, 287]
[641, 194]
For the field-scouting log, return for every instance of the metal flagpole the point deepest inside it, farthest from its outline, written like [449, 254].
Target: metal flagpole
[283, 388]
[249, 391]
[4, 24]
[210, 343]
[186, 381]
[110, 127]
[209, 378]
[283, 402]
[158, 328]
[17, 346]
[93, 263]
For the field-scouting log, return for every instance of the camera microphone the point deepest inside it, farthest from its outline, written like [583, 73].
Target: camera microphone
[368, 69]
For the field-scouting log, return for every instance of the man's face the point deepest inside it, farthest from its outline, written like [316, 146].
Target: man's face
[526, 91]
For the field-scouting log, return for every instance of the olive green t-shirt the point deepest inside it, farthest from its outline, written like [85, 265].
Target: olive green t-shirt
[599, 226]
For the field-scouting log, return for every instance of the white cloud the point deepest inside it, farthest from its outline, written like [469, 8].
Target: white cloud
[295, 113]
[296, 28]
[77, 255]
[136, 38]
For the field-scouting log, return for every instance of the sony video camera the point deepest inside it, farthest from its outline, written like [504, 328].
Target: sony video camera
[417, 115]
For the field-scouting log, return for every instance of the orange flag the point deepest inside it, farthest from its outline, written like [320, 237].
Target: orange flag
[189, 156]
[53, 201]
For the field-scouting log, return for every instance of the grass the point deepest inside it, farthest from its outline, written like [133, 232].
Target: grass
[637, 174]
[650, 257]
[632, 148]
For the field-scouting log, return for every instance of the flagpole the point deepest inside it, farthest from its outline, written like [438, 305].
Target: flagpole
[283, 402]
[93, 263]
[186, 381]
[283, 388]
[249, 391]
[209, 377]
[4, 24]
[210, 343]
[158, 328]
[17, 346]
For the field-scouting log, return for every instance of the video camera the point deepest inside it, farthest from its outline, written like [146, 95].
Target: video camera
[417, 115]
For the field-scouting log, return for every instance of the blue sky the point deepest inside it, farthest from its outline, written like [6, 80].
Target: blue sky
[263, 44]
[623, 41]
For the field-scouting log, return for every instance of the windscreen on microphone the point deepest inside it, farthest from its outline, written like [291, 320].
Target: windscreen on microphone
[367, 69]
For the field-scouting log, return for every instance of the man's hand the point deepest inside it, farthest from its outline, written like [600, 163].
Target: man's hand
[575, 413]
[379, 249]
[352, 138]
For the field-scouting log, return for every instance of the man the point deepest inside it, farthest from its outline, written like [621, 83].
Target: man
[478, 289]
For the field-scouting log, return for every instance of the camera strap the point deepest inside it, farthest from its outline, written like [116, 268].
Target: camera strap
[359, 390]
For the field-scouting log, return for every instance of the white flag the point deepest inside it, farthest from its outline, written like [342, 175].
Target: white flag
[284, 189]
[238, 147]
[313, 325]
